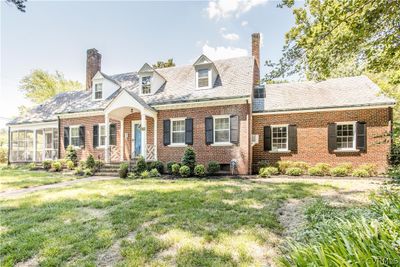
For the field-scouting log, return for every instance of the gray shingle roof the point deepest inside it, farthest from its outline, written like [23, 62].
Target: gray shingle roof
[339, 92]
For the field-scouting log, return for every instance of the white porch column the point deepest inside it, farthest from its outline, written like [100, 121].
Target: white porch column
[143, 123]
[155, 137]
[121, 134]
[106, 147]
[34, 146]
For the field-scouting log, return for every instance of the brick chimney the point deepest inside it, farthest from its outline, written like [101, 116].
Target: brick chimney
[93, 65]
[255, 52]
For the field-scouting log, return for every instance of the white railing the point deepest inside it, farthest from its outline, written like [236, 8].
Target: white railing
[150, 152]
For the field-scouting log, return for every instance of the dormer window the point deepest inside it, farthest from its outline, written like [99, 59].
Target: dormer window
[146, 85]
[98, 91]
[203, 78]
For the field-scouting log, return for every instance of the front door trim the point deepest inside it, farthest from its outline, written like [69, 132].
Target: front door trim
[135, 122]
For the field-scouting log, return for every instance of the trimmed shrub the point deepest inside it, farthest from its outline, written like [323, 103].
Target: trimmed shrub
[324, 167]
[32, 166]
[70, 165]
[82, 164]
[78, 171]
[157, 165]
[394, 172]
[132, 175]
[200, 170]
[98, 164]
[70, 154]
[262, 164]
[340, 171]
[90, 163]
[145, 174]
[360, 173]
[169, 166]
[268, 171]
[154, 173]
[141, 165]
[123, 170]
[184, 171]
[175, 168]
[88, 172]
[294, 171]
[47, 164]
[56, 166]
[213, 167]
[370, 168]
[301, 164]
[347, 165]
[315, 171]
[63, 162]
[283, 165]
[189, 159]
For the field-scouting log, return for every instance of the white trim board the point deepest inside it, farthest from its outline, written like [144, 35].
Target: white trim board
[209, 103]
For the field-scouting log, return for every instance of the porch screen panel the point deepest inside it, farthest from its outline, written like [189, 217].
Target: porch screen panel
[29, 146]
[22, 146]
[39, 145]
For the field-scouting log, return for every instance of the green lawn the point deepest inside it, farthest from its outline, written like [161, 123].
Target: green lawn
[185, 222]
[20, 178]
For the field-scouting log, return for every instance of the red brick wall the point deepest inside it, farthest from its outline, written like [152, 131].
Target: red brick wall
[312, 137]
[206, 153]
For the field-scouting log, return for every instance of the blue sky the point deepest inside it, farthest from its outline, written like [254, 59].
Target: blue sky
[55, 35]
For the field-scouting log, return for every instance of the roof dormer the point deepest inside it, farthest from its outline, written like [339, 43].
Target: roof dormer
[206, 73]
[149, 80]
[103, 86]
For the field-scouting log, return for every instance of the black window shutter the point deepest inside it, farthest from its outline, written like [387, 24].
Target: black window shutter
[189, 131]
[332, 142]
[267, 138]
[361, 142]
[167, 132]
[209, 124]
[82, 136]
[66, 137]
[113, 134]
[292, 129]
[95, 136]
[234, 129]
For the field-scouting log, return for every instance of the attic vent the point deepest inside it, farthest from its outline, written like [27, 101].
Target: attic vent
[259, 92]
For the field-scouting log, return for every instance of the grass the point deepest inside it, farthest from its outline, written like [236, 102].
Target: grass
[21, 178]
[185, 222]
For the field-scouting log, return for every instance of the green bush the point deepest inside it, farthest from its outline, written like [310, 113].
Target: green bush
[32, 166]
[347, 165]
[3, 155]
[154, 173]
[189, 158]
[169, 166]
[340, 171]
[283, 165]
[132, 175]
[98, 164]
[78, 171]
[268, 171]
[394, 172]
[262, 164]
[88, 172]
[70, 154]
[300, 164]
[315, 171]
[141, 165]
[123, 170]
[63, 162]
[184, 171]
[394, 155]
[47, 164]
[370, 168]
[294, 171]
[157, 165]
[70, 165]
[213, 167]
[175, 168]
[90, 163]
[145, 174]
[82, 164]
[360, 173]
[56, 166]
[200, 170]
[324, 167]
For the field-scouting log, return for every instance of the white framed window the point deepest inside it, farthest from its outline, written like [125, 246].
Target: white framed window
[178, 131]
[346, 135]
[203, 79]
[279, 138]
[146, 85]
[254, 139]
[74, 136]
[98, 91]
[102, 135]
[222, 129]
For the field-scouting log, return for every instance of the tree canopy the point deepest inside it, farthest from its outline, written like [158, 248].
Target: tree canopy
[164, 64]
[39, 85]
[20, 4]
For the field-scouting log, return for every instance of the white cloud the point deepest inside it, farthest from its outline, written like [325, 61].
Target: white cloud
[218, 9]
[221, 52]
[244, 23]
[229, 36]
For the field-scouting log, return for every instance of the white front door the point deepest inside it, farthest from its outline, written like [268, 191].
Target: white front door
[136, 145]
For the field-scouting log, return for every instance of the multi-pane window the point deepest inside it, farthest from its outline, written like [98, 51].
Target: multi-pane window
[22, 145]
[146, 85]
[98, 91]
[221, 130]
[203, 78]
[259, 92]
[178, 132]
[279, 138]
[74, 136]
[102, 135]
[345, 136]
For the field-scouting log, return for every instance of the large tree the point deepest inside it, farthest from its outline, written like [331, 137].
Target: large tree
[20, 4]
[40, 85]
[164, 64]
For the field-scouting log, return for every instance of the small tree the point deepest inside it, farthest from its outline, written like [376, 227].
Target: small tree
[189, 159]
[71, 155]
[141, 165]
[90, 162]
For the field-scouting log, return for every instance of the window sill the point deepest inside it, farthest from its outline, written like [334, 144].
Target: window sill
[177, 145]
[222, 144]
[280, 151]
[346, 150]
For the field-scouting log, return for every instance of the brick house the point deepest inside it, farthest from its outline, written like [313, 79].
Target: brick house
[218, 108]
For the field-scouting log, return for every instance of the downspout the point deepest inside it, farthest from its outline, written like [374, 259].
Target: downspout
[59, 136]
[9, 146]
